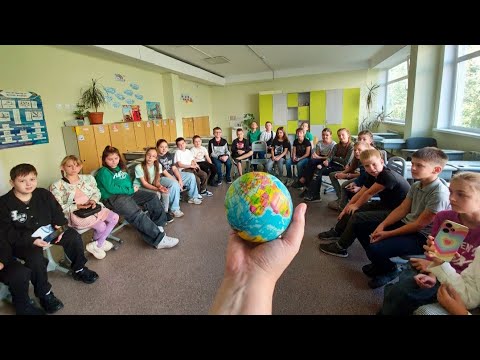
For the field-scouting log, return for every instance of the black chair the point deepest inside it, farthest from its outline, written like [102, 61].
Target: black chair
[418, 143]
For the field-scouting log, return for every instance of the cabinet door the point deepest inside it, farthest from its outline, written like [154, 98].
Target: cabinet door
[317, 107]
[102, 139]
[265, 104]
[117, 136]
[304, 113]
[292, 100]
[158, 130]
[166, 130]
[150, 134]
[87, 148]
[129, 137]
[188, 131]
[172, 124]
[201, 125]
[140, 138]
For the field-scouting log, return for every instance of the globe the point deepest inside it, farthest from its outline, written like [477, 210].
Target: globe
[258, 206]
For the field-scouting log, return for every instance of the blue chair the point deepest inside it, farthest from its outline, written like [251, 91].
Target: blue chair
[418, 143]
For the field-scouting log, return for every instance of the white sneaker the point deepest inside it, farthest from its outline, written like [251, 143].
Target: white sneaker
[93, 249]
[178, 213]
[194, 201]
[107, 245]
[167, 242]
[160, 228]
[199, 196]
[206, 193]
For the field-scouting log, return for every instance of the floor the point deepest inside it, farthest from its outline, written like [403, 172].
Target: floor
[137, 279]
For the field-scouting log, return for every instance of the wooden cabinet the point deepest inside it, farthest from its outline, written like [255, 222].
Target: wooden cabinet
[122, 136]
[150, 138]
[87, 143]
[140, 136]
[198, 125]
[172, 129]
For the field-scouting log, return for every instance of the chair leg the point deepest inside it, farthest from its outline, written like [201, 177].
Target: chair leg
[52, 264]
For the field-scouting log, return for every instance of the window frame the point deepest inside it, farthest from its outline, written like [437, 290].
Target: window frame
[453, 91]
[390, 82]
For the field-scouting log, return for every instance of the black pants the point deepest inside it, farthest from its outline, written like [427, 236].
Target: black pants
[316, 183]
[17, 277]
[210, 169]
[73, 247]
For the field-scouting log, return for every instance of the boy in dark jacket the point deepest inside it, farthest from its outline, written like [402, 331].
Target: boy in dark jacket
[23, 210]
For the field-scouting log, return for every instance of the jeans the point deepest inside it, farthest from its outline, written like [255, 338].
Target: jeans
[128, 206]
[218, 164]
[316, 183]
[173, 192]
[379, 253]
[403, 297]
[279, 162]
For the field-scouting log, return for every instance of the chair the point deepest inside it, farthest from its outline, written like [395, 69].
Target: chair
[398, 164]
[256, 147]
[5, 293]
[418, 143]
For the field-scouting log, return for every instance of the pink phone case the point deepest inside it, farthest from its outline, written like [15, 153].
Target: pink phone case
[449, 238]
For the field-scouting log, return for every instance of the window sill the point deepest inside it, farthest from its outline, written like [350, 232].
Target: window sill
[393, 123]
[458, 132]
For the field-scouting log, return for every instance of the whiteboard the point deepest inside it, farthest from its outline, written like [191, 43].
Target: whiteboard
[280, 109]
[334, 104]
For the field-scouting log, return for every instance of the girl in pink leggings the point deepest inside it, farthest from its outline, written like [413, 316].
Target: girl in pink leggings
[75, 191]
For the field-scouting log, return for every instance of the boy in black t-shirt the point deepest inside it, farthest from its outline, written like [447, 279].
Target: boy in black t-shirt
[279, 149]
[301, 150]
[241, 150]
[389, 185]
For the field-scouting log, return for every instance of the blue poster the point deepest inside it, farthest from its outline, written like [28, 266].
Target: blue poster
[22, 120]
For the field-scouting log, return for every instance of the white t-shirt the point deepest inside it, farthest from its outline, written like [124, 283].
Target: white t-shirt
[184, 157]
[151, 174]
[199, 153]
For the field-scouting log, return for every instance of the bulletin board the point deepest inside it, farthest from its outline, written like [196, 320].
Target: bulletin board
[22, 120]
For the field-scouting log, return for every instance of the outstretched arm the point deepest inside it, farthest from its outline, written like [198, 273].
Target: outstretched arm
[252, 270]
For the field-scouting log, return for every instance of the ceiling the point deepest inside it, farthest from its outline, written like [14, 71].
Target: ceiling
[247, 62]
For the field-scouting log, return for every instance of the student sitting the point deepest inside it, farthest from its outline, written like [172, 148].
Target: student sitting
[218, 151]
[308, 135]
[76, 191]
[301, 150]
[253, 135]
[392, 189]
[405, 230]
[147, 177]
[200, 154]
[403, 297]
[184, 161]
[267, 135]
[23, 210]
[119, 195]
[280, 148]
[241, 150]
[175, 180]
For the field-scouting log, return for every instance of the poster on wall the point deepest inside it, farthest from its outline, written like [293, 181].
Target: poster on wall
[22, 120]
[153, 110]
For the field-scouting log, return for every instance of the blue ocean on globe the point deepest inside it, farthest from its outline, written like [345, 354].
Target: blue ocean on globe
[258, 206]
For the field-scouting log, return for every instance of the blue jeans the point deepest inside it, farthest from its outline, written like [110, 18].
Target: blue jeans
[379, 253]
[218, 164]
[405, 296]
[128, 206]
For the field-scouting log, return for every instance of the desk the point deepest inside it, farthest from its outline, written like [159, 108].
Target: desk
[465, 165]
[393, 144]
[452, 154]
[388, 135]
[446, 174]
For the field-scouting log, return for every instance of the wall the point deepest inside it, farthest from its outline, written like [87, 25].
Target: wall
[243, 98]
[57, 75]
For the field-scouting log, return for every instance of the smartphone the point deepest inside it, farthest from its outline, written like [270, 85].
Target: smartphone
[52, 236]
[449, 238]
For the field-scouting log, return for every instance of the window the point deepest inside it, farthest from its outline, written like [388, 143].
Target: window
[465, 112]
[396, 95]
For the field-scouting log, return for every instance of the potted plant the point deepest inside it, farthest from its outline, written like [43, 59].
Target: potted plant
[81, 112]
[92, 98]
[373, 119]
[247, 120]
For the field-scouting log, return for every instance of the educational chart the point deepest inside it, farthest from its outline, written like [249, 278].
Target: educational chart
[22, 120]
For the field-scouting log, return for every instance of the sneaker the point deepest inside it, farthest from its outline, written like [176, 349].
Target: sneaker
[206, 193]
[30, 309]
[177, 213]
[167, 242]
[385, 278]
[370, 270]
[297, 185]
[312, 199]
[50, 303]
[169, 218]
[199, 197]
[334, 205]
[328, 234]
[213, 183]
[302, 194]
[195, 201]
[229, 181]
[219, 182]
[333, 249]
[161, 228]
[93, 249]
[86, 275]
[107, 245]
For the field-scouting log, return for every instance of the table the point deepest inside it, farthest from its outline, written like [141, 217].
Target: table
[393, 144]
[388, 135]
[446, 174]
[465, 165]
[452, 154]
